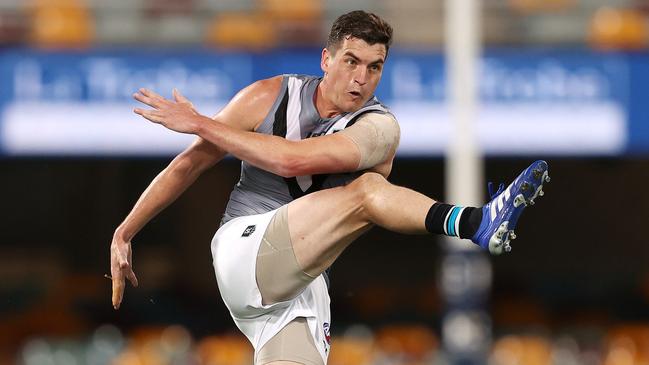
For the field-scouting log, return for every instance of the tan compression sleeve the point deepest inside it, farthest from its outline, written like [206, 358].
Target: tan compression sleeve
[376, 135]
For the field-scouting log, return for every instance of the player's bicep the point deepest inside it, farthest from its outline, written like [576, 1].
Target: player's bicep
[376, 136]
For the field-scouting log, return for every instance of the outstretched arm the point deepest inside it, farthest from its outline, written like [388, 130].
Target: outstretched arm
[338, 152]
[168, 186]
[163, 190]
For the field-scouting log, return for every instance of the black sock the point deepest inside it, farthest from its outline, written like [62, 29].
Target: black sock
[470, 222]
[453, 220]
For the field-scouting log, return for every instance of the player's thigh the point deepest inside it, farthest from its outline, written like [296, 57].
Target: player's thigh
[293, 344]
[283, 363]
[324, 223]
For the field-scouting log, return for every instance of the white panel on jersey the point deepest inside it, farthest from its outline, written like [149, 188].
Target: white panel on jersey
[305, 182]
[293, 109]
[342, 122]
[293, 131]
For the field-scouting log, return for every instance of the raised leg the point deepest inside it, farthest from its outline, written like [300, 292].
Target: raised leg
[324, 223]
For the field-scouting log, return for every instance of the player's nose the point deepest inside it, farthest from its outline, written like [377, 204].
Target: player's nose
[360, 76]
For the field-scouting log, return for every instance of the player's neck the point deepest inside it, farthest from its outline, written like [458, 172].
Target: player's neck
[323, 105]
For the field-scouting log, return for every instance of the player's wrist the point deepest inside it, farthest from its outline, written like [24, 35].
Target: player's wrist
[199, 124]
[122, 234]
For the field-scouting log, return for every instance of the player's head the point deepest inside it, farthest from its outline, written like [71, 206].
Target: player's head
[360, 25]
[353, 59]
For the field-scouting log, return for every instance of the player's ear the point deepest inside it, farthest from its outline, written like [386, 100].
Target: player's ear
[324, 61]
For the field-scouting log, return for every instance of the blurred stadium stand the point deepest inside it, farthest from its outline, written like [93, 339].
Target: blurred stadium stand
[268, 23]
[54, 301]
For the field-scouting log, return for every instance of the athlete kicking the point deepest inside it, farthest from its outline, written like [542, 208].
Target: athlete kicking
[315, 156]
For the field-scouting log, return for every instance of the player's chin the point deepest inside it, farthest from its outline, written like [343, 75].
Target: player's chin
[353, 105]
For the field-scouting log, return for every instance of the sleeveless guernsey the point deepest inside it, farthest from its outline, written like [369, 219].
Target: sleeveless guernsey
[294, 117]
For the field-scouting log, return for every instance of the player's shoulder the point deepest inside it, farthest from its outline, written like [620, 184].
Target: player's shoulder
[265, 88]
[266, 91]
[257, 97]
[249, 106]
[279, 82]
[375, 108]
[380, 117]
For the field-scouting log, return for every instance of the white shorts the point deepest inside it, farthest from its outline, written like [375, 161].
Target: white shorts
[234, 253]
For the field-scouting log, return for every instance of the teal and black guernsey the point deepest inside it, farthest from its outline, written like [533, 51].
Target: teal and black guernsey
[294, 117]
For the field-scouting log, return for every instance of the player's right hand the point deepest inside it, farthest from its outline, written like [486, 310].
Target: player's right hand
[120, 268]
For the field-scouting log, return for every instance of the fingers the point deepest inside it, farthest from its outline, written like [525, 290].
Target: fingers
[149, 98]
[180, 98]
[152, 94]
[130, 275]
[120, 268]
[117, 262]
[155, 116]
[118, 276]
[118, 287]
[119, 283]
[143, 99]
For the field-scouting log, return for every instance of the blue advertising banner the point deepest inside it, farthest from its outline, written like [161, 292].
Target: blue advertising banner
[532, 102]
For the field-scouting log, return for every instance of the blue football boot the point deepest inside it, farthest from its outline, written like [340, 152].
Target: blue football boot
[500, 215]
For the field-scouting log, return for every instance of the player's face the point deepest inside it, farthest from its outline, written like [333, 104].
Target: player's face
[352, 72]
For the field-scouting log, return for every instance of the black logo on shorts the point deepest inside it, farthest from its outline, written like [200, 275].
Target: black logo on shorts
[248, 231]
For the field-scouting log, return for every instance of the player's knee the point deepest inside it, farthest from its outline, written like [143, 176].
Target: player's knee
[368, 186]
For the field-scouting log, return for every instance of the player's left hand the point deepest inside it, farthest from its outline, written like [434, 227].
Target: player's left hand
[178, 115]
[121, 268]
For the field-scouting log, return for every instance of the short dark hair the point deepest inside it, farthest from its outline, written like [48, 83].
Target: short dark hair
[362, 25]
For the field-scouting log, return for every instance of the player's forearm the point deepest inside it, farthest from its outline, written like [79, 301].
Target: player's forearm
[162, 191]
[270, 153]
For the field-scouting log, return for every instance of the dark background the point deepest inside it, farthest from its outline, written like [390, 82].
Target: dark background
[580, 257]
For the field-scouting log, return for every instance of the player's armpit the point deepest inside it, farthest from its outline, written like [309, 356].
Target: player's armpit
[376, 136]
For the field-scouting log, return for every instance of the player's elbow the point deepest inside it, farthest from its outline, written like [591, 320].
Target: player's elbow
[183, 166]
[289, 160]
[302, 165]
[191, 164]
[290, 166]
[301, 159]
